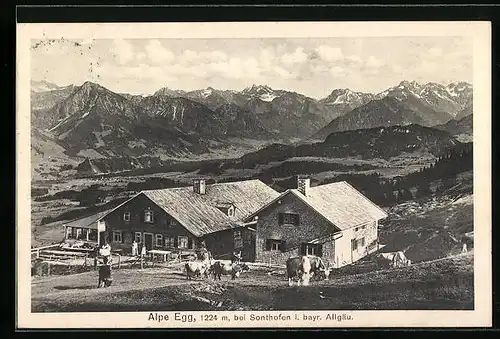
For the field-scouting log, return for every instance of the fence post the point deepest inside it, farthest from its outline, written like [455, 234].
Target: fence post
[48, 268]
[119, 260]
[37, 254]
[142, 261]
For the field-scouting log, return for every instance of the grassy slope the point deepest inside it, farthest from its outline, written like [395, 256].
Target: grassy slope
[441, 284]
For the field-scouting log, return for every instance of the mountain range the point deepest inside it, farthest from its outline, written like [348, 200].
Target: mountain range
[407, 103]
[91, 119]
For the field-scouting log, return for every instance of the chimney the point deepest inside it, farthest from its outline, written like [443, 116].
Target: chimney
[303, 185]
[199, 186]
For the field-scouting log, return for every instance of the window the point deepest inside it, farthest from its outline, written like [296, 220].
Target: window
[182, 242]
[148, 216]
[312, 249]
[354, 244]
[275, 245]
[126, 216]
[79, 233]
[138, 237]
[159, 240]
[117, 236]
[230, 211]
[69, 232]
[169, 242]
[288, 219]
[238, 240]
[172, 223]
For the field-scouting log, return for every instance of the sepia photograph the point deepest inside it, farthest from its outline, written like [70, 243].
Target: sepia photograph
[197, 176]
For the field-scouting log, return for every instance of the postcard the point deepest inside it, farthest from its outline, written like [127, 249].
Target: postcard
[254, 174]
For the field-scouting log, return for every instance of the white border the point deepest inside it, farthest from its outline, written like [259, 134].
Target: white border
[481, 33]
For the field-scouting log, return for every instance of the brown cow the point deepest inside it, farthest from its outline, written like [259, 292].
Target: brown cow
[233, 269]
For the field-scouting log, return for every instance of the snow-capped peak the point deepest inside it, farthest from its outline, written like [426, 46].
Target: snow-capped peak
[263, 92]
[207, 92]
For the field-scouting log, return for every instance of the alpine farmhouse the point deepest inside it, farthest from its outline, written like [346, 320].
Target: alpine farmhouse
[334, 221]
[179, 219]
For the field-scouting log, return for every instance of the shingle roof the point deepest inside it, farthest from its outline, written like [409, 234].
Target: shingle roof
[89, 221]
[199, 214]
[343, 205]
[340, 203]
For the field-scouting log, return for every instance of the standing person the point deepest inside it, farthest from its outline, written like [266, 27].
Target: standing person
[202, 252]
[106, 253]
[143, 251]
[135, 249]
[236, 257]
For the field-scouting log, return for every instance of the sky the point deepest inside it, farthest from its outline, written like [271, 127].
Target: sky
[313, 67]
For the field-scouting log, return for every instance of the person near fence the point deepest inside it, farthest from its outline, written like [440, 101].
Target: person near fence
[135, 249]
[143, 251]
[201, 251]
[236, 257]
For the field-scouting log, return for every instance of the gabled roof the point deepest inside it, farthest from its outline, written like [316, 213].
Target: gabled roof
[89, 221]
[340, 203]
[199, 214]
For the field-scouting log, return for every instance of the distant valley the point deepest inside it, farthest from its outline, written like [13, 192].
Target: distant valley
[124, 132]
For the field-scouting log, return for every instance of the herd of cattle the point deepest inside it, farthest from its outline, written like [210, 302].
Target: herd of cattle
[300, 268]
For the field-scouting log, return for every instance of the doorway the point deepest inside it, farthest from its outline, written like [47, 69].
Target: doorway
[148, 241]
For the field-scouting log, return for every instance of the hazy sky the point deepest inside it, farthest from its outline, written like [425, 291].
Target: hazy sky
[313, 67]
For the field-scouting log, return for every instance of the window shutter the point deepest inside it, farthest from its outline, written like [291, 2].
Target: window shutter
[282, 246]
[176, 243]
[190, 242]
[297, 220]
[303, 249]
[280, 218]
[319, 248]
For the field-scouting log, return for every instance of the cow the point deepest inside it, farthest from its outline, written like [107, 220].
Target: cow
[197, 268]
[105, 279]
[233, 269]
[304, 267]
[391, 260]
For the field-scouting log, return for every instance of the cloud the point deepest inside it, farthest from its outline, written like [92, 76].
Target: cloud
[373, 62]
[122, 50]
[337, 71]
[328, 53]
[296, 57]
[354, 59]
[435, 52]
[141, 56]
[427, 67]
[267, 58]
[193, 57]
[397, 68]
[280, 71]
[157, 53]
